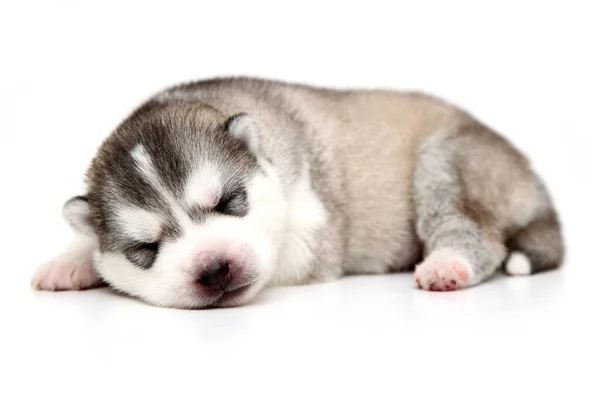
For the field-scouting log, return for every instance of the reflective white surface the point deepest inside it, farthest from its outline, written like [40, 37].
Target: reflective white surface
[72, 70]
[367, 336]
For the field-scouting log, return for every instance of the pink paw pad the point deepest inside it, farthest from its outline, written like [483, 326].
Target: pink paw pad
[444, 270]
[65, 274]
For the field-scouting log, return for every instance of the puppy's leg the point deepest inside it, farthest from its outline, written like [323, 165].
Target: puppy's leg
[460, 250]
[70, 270]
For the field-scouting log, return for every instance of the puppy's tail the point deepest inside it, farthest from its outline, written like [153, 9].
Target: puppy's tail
[538, 246]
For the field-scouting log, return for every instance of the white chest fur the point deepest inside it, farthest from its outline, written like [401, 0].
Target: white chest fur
[306, 215]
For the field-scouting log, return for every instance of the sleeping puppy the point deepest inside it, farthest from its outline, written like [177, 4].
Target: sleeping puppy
[211, 191]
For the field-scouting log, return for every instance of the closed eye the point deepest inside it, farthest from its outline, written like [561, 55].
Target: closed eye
[234, 203]
[142, 254]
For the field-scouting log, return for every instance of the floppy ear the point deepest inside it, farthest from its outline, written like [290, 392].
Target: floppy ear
[77, 213]
[242, 127]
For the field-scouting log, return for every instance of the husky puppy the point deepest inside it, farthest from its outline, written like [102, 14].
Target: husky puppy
[211, 191]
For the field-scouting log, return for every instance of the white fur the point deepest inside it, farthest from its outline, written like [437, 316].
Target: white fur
[204, 186]
[77, 213]
[172, 279]
[253, 240]
[139, 224]
[305, 216]
[518, 264]
[146, 167]
[70, 270]
[245, 129]
[274, 242]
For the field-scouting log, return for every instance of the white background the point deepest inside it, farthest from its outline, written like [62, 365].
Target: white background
[69, 71]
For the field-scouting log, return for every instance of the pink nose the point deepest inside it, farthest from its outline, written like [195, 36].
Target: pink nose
[216, 277]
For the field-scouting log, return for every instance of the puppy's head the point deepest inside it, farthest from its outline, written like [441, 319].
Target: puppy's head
[186, 211]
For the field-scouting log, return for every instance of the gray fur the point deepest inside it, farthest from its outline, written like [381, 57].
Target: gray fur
[200, 135]
[440, 222]
[398, 174]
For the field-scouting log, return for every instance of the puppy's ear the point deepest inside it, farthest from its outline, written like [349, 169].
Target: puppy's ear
[76, 212]
[242, 127]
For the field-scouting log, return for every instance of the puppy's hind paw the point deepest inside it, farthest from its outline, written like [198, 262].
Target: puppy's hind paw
[66, 274]
[444, 270]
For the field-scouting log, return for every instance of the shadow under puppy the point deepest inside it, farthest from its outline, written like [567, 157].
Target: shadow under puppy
[211, 191]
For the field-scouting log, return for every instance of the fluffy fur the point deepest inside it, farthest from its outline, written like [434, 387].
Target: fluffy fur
[211, 191]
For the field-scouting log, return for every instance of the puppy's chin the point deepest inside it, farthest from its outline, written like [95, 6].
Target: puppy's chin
[240, 296]
[227, 299]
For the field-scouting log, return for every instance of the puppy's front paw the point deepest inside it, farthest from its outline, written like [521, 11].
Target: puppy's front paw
[444, 270]
[66, 274]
